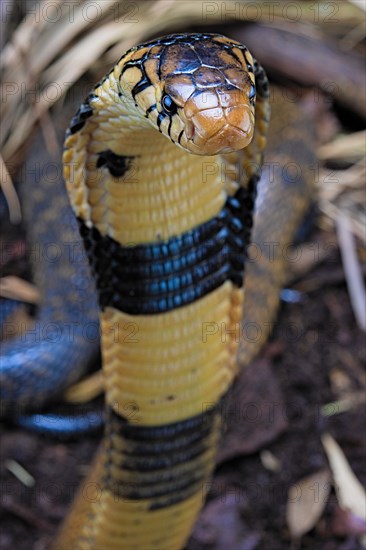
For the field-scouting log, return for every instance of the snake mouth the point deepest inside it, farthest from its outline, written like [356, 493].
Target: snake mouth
[190, 130]
[218, 124]
[225, 139]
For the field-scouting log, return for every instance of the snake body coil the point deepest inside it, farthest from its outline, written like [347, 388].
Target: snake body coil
[166, 234]
[57, 350]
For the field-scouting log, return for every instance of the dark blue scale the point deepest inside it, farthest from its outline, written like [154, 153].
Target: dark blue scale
[84, 112]
[159, 277]
[159, 452]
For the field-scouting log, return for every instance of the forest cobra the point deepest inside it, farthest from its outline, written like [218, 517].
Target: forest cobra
[166, 233]
[161, 163]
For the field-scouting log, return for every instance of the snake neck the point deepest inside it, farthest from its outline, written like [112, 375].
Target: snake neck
[133, 184]
[138, 187]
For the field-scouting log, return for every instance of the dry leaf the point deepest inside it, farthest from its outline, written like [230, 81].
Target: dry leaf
[340, 382]
[350, 493]
[270, 461]
[351, 147]
[15, 288]
[15, 213]
[86, 390]
[306, 502]
[349, 402]
[20, 473]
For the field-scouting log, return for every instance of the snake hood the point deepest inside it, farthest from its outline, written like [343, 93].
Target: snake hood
[198, 89]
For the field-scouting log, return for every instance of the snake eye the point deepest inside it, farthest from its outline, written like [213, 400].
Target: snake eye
[168, 104]
[252, 94]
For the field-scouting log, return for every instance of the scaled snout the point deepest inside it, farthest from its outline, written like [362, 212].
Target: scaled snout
[220, 123]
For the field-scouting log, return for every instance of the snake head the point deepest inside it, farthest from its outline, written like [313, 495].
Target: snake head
[199, 90]
[209, 93]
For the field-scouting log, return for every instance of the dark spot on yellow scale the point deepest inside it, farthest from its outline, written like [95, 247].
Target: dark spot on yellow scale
[180, 136]
[160, 119]
[150, 109]
[247, 61]
[261, 81]
[83, 113]
[140, 86]
[116, 164]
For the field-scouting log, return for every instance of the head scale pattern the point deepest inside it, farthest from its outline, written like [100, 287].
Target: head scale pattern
[198, 90]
